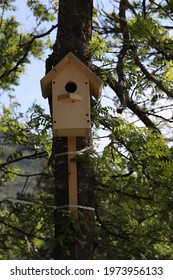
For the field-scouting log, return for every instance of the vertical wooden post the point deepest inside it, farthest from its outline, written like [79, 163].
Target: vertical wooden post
[72, 175]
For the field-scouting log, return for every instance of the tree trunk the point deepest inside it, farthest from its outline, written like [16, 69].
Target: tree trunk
[74, 34]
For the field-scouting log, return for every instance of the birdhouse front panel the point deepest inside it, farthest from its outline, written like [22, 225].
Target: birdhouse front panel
[71, 102]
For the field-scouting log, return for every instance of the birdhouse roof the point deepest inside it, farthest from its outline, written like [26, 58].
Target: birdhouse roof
[96, 83]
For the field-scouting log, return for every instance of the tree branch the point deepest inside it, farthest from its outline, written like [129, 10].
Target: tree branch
[27, 175]
[121, 236]
[136, 109]
[120, 64]
[142, 115]
[19, 230]
[33, 156]
[152, 78]
[27, 46]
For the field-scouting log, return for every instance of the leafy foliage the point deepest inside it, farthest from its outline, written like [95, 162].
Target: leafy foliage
[134, 195]
[134, 171]
[22, 237]
[17, 46]
[132, 47]
[41, 11]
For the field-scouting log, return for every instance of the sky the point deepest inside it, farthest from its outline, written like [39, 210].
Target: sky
[28, 90]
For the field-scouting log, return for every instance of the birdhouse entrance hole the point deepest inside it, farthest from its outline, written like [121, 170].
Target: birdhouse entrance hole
[70, 87]
[71, 95]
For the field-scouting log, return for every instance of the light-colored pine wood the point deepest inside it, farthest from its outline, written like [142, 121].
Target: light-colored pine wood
[71, 111]
[72, 175]
[71, 84]
[95, 83]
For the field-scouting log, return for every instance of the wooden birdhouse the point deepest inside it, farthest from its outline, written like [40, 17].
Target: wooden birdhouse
[71, 82]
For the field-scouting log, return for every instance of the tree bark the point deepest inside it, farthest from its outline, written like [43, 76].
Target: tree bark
[74, 34]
